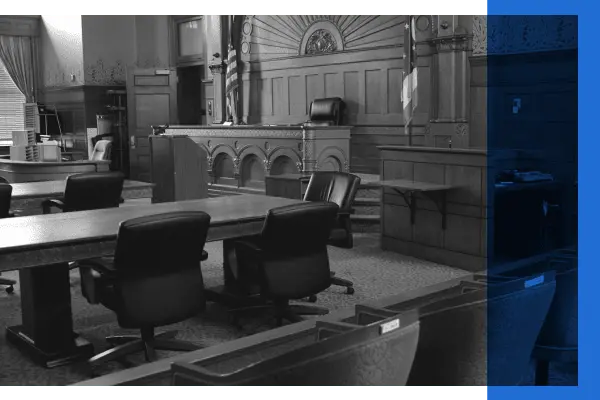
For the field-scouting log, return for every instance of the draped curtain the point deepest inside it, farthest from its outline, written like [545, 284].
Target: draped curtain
[18, 53]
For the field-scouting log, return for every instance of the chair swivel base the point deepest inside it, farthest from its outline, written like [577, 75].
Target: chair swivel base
[128, 344]
[79, 349]
[342, 282]
[9, 283]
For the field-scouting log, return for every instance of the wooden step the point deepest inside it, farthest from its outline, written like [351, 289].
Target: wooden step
[365, 223]
[366, 206]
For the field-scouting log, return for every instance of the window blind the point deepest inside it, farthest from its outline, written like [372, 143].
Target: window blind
[12, 116]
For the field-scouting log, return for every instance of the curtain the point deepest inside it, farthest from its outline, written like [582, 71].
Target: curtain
[18, 53]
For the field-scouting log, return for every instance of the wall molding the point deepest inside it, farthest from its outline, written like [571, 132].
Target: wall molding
[514, 34]
[20, 25]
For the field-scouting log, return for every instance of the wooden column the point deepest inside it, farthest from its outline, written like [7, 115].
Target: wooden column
[218, 71]
[449, 123]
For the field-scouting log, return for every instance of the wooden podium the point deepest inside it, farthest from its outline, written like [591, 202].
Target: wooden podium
[179, 169]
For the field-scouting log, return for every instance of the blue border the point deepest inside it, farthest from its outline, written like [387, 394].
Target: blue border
[589, 177]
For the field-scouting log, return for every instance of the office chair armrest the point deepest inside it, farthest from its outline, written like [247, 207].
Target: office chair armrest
[346, 212]
[204, 256]
[49, 203]
[104, 266]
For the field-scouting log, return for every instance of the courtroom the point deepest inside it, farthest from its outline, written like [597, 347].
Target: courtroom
[276, 200]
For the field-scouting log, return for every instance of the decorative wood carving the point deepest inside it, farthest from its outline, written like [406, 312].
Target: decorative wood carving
[523, 33]
[317, 145]
[321, 41]
[276, 36]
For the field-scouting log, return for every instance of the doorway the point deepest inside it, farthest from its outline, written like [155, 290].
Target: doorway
[189, 95]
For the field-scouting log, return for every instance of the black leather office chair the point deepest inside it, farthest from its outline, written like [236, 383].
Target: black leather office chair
[326, 112]
[289, 260]
[89, 191]
[5, 196]
[153, 280]
[339, 188]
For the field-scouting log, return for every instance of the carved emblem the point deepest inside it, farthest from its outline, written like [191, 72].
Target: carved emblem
[461, 129]
[236, 163]
[299, 166]
[267, 164]
[209, 159]
[321, 41]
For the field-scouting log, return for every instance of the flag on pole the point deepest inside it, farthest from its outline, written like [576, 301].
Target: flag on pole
[409, 84]
[231, 78]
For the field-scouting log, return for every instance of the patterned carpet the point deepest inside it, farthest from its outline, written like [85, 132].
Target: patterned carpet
[375, 274]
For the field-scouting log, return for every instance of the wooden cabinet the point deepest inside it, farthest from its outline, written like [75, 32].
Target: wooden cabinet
[291, 186]
[179, 169]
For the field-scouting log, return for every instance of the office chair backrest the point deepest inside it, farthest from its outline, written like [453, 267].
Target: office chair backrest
[337, 187]
[157, 259]
[328, 111]
[294, 239]
[5, 196]
[102, 150]
[94, 190]
[364, 356]
[482, 337]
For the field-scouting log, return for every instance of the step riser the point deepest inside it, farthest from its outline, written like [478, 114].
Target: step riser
[369, 193]
[366, 209]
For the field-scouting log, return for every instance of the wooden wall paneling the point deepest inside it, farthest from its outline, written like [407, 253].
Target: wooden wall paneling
[296, 96]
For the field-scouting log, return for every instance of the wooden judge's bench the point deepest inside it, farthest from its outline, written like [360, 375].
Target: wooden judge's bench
[243, 155]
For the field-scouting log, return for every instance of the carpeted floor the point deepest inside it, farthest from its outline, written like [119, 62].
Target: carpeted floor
[375, 274]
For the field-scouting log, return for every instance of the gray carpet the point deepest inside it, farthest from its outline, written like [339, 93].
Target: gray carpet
[375, 274]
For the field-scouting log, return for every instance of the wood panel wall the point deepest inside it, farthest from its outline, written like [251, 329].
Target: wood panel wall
[279, 80]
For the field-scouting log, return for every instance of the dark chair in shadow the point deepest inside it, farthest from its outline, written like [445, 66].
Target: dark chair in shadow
[5, 196]
[289, 259]
[558, 339]
[89, 191]
[339, 188]
[339, 356]
[481, 337]
[153, 280]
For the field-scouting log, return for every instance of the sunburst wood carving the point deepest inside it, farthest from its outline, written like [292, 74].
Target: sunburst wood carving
[275, 36]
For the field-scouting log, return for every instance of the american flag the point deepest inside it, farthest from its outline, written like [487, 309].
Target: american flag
[232, 77]
[409, 84]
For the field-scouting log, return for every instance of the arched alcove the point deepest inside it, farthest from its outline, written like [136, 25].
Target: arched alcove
[223, 170]
[330, 163]
[253, 172]
[283, 165]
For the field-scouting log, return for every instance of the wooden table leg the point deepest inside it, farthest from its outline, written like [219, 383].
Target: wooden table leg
[234, 292]
[46, 333]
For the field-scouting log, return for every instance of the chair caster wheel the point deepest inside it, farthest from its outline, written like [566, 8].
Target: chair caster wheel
[10, 289]
[312, 298]
[350, 290]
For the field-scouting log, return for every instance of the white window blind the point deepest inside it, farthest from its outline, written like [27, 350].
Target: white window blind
[11, 107]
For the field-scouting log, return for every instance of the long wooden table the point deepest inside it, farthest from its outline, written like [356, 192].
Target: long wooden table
[27, 197]
[40, 247]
